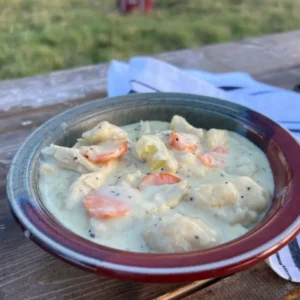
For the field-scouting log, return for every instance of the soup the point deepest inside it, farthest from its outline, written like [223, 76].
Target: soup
[156, 186]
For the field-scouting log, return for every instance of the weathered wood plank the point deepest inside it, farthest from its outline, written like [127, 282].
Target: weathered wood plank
[259, 282]
[255, 56]
[187, 289]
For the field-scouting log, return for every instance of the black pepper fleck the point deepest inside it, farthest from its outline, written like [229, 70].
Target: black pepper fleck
[248, 188]
[92, 235]
[162, 169]
[148, 173]
[177, 139]
[117, 194]
[97, 178]
[226, 182]
[222, 175]
[129, 197]
[196, 237]
[191, 199]
[242, 196]
[75, 158]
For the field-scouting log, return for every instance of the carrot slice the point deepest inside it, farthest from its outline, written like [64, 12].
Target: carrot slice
[158, 179]
[221, 149]
[183, 142]
[206, 159]
[102, 207]
[209, 160]
[106, 151]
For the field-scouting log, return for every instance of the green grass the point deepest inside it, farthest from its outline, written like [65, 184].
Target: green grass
[38, 36]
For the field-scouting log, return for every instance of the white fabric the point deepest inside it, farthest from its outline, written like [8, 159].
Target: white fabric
[144, 74]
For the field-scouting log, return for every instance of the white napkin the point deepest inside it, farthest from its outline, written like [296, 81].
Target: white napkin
[144, 74]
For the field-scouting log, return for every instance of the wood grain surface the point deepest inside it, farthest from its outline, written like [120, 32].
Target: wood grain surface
[27, 272]
[259, 282]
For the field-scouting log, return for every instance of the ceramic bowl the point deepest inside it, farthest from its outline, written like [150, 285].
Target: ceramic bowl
[277, 228]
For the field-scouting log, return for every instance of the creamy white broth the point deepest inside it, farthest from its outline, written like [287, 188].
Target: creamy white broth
[207, 207]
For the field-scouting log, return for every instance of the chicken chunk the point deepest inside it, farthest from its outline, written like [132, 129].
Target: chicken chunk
[180, 124]
[104, 131]
[70, 159]
[216, 138]
[178, 233]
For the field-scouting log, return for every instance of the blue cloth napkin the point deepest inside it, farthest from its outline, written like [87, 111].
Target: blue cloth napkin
[143, 74]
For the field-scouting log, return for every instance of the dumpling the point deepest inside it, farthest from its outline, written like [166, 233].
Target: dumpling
[252, 195]
[240, 200]
[70, 159]
[104, 131]
[216, 138]
[154, 151]
[159, 198]
[214, 195]
[181, 125]
[178, 233]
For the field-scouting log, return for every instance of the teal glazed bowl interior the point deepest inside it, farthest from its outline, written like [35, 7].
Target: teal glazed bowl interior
[277, 228]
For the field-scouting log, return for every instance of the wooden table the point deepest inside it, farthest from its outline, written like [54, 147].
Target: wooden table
[27, 272]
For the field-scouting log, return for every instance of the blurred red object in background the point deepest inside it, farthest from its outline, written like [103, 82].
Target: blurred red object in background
[127, 6]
